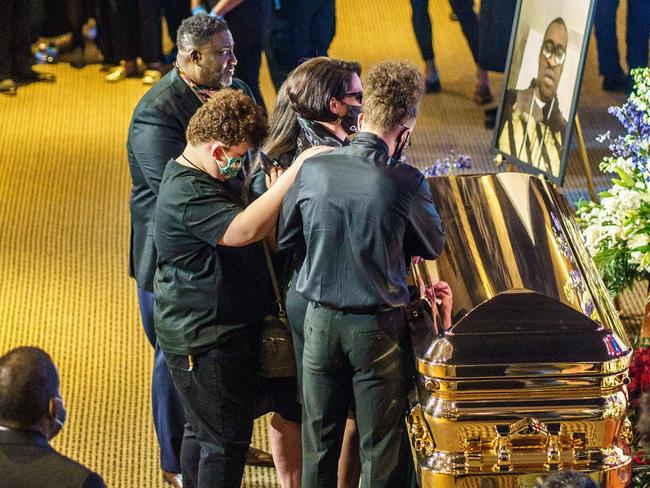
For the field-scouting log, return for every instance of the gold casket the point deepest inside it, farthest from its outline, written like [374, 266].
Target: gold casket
[531, 377]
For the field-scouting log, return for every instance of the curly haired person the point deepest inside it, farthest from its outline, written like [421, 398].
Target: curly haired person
[212, 286]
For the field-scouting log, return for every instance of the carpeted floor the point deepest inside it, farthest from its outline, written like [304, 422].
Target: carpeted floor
[64, 188]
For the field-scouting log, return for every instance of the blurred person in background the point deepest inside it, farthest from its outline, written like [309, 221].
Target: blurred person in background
[138, 34]
[636, 37]
[469, 23]
[16, 22]
[299, 30]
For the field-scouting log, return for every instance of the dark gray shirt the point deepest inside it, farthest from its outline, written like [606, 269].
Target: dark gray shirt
[203, 290]
[357, 217]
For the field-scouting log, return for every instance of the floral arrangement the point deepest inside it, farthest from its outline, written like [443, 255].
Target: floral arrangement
[617, 230]
[443, 166]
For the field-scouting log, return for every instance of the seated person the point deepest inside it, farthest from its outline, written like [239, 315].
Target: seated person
[32, 413]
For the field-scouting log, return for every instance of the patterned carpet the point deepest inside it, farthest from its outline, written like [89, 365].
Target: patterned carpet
[64, 189]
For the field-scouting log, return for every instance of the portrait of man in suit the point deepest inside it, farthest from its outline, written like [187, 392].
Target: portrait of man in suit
[533, 126]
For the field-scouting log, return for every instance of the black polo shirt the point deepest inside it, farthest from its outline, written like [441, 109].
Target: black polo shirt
[356, 217]
[203, 290]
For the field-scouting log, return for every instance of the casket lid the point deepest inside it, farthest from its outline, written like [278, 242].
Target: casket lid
[527, 297]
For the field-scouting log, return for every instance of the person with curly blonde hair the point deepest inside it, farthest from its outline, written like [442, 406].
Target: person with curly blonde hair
[355, 213]
[212, 285]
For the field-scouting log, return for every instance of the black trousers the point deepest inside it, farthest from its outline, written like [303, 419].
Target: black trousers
[249, 25]
[175, 11]
[15, 45]
[219, 392]
[300, 29]
[464, 10]
[365, 357]
[138, 30]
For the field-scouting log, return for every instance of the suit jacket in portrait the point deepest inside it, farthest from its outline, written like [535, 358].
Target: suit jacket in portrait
[530, 133]
[156, 135]
[28, 461]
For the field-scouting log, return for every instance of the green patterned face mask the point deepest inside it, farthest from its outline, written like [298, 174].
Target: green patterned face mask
[232, 166]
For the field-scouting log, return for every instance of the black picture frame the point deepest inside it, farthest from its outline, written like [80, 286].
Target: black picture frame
[511, 95]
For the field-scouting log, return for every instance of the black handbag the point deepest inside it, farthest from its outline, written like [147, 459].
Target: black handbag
[277, 358]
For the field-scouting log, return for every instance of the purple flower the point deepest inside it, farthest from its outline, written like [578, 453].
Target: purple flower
[443, 166]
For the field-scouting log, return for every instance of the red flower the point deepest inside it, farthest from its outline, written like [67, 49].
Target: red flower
[640, 457]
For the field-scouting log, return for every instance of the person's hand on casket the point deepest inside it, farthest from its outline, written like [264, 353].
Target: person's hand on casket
[441, 294]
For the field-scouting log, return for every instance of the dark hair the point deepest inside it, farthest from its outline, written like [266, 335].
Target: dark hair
[283, 127]
[392, 92]
[569, 479]
[312, 85]
[28, 379]
[196, 31]
[229, 117]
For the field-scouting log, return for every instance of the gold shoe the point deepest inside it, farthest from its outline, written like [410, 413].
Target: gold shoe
[151, 76]
[120, 73]
[8, 87]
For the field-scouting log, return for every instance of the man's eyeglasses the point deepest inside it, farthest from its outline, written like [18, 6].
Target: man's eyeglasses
[357, 95]
[549, 49]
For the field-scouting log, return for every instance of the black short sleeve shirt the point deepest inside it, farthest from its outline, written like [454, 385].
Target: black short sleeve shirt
[202, 290]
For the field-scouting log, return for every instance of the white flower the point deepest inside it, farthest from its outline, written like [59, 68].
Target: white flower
[628, 200]
[625, 164]
[637, 241]
[614, 232]
[610, 204]
[593, 236]
[636, 257]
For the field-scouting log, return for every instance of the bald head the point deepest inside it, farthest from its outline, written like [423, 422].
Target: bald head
[28, 380]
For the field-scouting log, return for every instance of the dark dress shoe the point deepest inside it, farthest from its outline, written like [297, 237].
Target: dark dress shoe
[32, 76]
[615, 83]
[77, 58]
[7, 87]
[432, 86]
[257, 457]
[174, 479]
[490, 118]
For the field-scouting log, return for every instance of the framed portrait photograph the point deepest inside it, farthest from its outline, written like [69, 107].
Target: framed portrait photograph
[548, 47]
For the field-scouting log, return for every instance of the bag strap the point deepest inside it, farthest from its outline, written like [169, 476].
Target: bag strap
[274, 280]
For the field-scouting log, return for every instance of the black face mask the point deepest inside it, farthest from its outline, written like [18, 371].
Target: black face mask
[350, 121]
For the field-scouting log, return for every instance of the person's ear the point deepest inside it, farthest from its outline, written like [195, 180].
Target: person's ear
[57, 414]
[53, 408]
[216, 151]
[360, 122]
[335, 105]
[195, 56]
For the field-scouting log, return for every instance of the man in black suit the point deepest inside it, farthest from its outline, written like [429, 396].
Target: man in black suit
[32, 413]
[205, 63]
